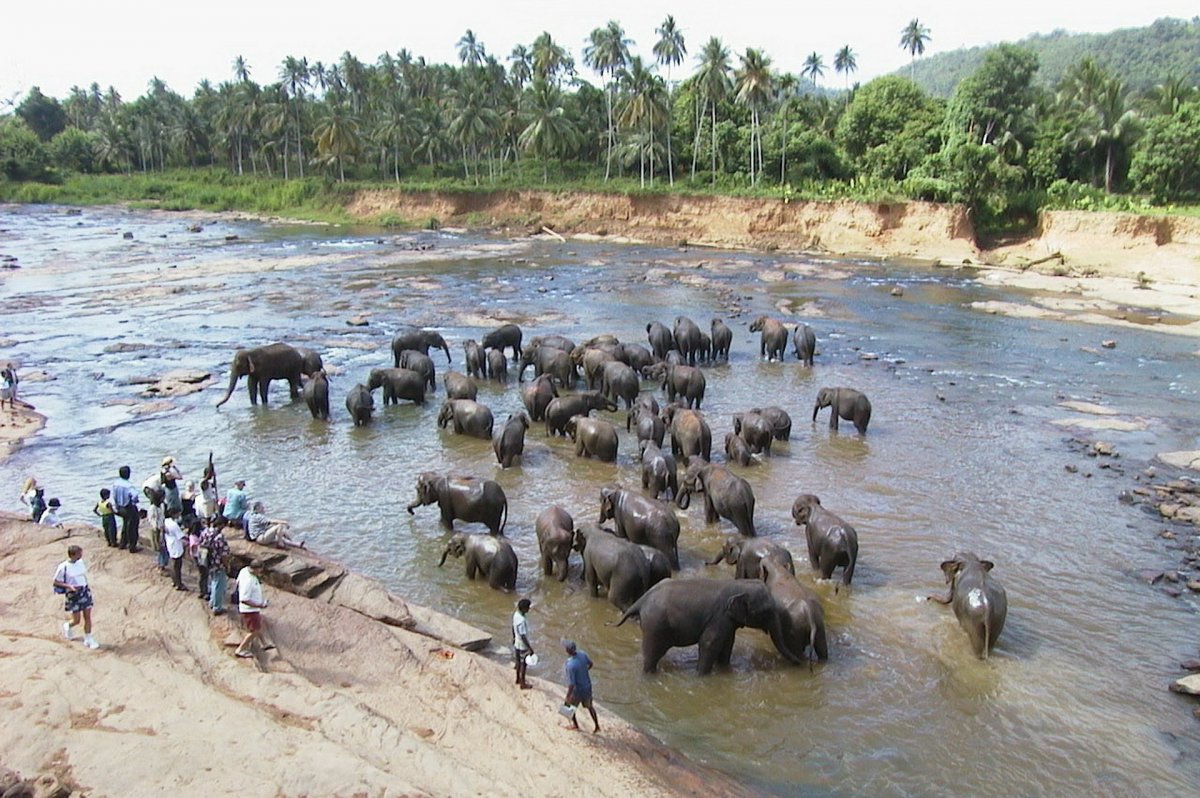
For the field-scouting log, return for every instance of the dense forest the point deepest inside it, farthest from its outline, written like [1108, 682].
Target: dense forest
[1005, 141]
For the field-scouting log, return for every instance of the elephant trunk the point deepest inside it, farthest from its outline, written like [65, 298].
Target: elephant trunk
[720, 556]
[780, 641]
[684, 499]
[446, 347]
[444, 553]
[816, 408]
[410, 507]
[233, 380]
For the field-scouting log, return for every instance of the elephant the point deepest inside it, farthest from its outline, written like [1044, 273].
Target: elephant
[474, 359]
[421, 363]
[469, 418]
[773, 338]
[746, 555]
[593, 437]
[980, 602]
[650, 426]
[636, 356]
[642, 520]
[262, 364]
[659, 472]
[799, 609]
[687, 339]
[659, 568]
[603, 340]
[690, 434]
[497, 365]
[684, 381]
[755, 430]
[562, 408]
[555, 535]
[398, 384]
[312, 361]
[684, 612]
[846, 403]
[460, 386]
[490, 556]
[548, 360]
[509, 441]
[725, 494]
[316, 395]
[502, 337]
[661, 339]
[737, 450]
[555, 341]
[420, 341]
[360, 405]
[831, 541]
[704, 353]
[471, 499]
[722, 339]
[619, 381]
[804, 342]
[616, 564]
[592, 363]
[537, 395]
[780, 421]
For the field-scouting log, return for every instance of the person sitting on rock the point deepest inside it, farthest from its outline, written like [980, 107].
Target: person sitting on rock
[50, 517]
[268, 531]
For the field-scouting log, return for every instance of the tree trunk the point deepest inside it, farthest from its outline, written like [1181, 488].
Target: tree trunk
[714, 143]
[609, 110]
[1108, 169]
[670, 124]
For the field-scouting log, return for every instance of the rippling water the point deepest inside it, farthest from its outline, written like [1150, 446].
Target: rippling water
[961, 454]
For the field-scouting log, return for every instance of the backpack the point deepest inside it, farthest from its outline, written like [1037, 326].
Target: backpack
[38, 506]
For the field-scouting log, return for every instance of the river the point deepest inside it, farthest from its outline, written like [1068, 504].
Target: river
[961, 454]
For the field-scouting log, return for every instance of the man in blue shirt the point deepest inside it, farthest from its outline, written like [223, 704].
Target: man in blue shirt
[124, 499]
[579, 682]
[237, 503]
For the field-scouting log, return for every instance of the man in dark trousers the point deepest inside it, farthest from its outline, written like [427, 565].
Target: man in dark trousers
[521, 647]
[579, 683]
[124, 498]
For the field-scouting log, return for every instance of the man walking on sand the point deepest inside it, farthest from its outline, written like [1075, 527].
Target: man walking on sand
[250, 606]
[579, 683]
[521, 647]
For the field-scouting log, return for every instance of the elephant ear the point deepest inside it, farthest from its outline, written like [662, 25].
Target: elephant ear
[951, 568]
[738, 608]
[250, 367]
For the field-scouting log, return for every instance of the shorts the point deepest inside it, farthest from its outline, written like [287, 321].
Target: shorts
[582, 698]
[252, 621]
[79, 600]
[520, 655]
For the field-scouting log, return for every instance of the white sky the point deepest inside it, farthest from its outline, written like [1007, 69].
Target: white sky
[55, 44]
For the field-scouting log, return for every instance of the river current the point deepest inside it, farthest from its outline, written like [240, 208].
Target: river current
[962, 454]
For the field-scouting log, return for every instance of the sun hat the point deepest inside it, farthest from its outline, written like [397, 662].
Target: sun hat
[54, 503]
[168, 460]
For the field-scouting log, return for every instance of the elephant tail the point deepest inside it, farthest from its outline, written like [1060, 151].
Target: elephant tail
[987, 629]
[634, 611]
[504, 517]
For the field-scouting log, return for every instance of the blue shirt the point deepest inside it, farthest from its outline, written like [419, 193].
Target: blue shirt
[235, 504]
[123, 494]
[577, 673]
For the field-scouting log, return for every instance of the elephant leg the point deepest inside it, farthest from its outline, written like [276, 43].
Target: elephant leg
[591, 580]
[448, 519]
[252, 386]
[828, 564]
[264, 387]
[472, 568]
[716, 647]
[294, 386]
[710, 512]
[848, 574]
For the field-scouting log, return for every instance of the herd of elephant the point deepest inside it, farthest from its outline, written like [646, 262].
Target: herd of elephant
[632, 560]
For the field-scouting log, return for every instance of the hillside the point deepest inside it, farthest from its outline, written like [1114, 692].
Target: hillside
[1142, 57]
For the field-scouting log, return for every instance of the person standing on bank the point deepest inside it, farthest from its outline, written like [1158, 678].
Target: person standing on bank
[250, 606]
[521, 646]
[108, 517]
[71, 579]
[173, 544]
[579, 683]
[213, 541]
[124, 498]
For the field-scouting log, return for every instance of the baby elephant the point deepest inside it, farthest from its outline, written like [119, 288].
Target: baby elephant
[489, 556]
[847, 403]
[555, 536]
[979, 602]
[509, 441]
[831, 541]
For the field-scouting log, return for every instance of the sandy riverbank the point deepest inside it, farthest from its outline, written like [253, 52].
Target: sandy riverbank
[345, 705]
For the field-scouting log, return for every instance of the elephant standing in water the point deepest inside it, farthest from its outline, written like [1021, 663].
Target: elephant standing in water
[509, 441]
[459, 386]
[831, 541]
[555, 535]
[722, 340]
[800, 611]
[660, 338]
[687, 339]
[316, 395]
[846, 403]
[490, 556]
[262, 364]
[616, 564]
[420, 340]
[684, 612]
[726, 495]
[747, 554]
[804, 341]
[980, 602]
[360, 404]
[642, 520]
[773, 337]
[468, 417]
[398, 384]
[504, 336]
[537, 395]
[471, 499]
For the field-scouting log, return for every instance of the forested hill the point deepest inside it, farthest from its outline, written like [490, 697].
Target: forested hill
[1141, 57]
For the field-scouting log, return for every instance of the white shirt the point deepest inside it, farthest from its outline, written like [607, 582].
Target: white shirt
[520, 626]
[50, 518]
[173, 535]
[248, 587]
[72, 573]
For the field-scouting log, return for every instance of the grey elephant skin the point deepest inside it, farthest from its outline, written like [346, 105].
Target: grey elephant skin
[726, 495]
[687, 339]
[547, 360]
[421, 363]
[746, 555]
[722, 339]
[503, 337]
[642, 520]
[619, 382]
[591, 361]
[660, 338]
[316, 395]
[708, 612]
[497, 365]
[555, 531]
[459, 386]
[465, 498]
[312, 361]
[780, 421]
[489, 556]
[563, 408]
[846, 403]
[800, 611]
[636, 356]
[260, 366]
[398, 384]
[476, 358]
[537, 395]
[690, 433]
[419, 340]
[659, 471]
[832, 543]
[360, 405]
[685, 382]
[644, 417]
[467, 417]
[755, 429]
[773, 337]
[616, 564]
[593, 437]
[980, 602]
[804, 342]
[509, 441]
[737, 450]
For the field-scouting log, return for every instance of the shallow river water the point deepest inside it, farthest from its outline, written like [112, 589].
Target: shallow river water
[961, 454]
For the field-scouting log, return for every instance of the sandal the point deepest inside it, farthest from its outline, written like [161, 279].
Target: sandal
[243, 654]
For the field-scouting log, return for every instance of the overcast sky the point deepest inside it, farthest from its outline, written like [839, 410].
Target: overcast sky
[55, 44]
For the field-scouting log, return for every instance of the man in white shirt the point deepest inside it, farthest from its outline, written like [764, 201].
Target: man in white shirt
[173, 542]
[250, 606]
[521, 647]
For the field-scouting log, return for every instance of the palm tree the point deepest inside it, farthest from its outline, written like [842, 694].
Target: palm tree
[913, 38]
[669, 51]
[1110, 124]
[473, 120]
[785, 85]
[644, 101]
[294, 74]
[551, 60]
[470, 50]
[845, 62]
[607, 53]
[337, 136]
[813, 67]
[550, 133]
[520, 69]
[1165, 98]
[241, 70]
[754, 89]
[712, 79]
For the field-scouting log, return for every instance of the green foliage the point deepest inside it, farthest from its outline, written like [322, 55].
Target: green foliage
[1069, 196]
[970, 173]
[44, 115]
[73, 150]
[1166, 164]
[22, 154]
[888, 128]
[993, 103]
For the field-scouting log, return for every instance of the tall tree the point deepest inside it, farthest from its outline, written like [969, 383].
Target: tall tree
[913, 39]
[754, 89]
[550, 133]
[337, 137]
[713, 86]
[294, 74]
[520, 66]
[1111, 125]
[607, 53]
[845, 62]
[669, 51]
[470, 50]
[785, 86]
[644, 107]
[814, 67]
[551, 61]
[241, 69]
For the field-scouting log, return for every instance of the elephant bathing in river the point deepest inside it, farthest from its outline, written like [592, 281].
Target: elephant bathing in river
[593, 437]
[509, 441]
[772, 339]
[800, 611]
[618, 565]
[459, 386]
[747, 554]
[684, 612]
[555, 536]
[980, 602]
[470, 499]
[726, 495]
[804, 341]
[831, 541]
[468, 417]
[316, 395]
[537, 395]
[504, 336]
[846, 403]
[490, 556]
[562, 408]
[420, 340]
[642, 520]
[398, 384]
[260, 366]
[360, 405]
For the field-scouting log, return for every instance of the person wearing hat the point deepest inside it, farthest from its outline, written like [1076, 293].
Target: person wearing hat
[521, 646]
[579, 683]
[170, 477]
[236, 503]
[50, 517]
